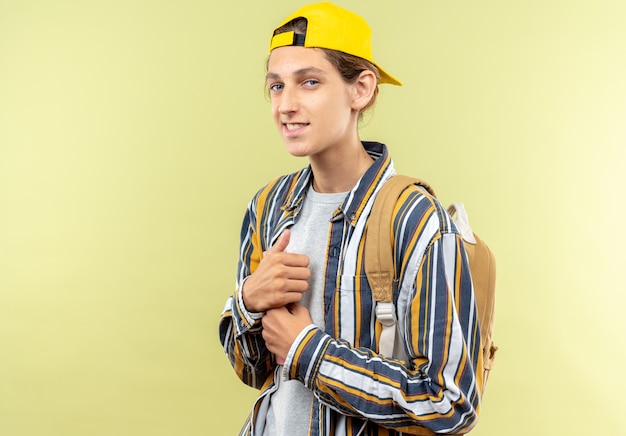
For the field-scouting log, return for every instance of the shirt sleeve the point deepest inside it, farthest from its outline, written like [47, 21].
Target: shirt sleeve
[239, 329]
[437, 390]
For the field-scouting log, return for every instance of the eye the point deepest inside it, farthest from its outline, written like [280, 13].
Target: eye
[276, 87]
[311, 82]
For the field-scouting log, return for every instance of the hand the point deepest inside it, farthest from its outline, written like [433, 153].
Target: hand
[280, 279]
[281, 327]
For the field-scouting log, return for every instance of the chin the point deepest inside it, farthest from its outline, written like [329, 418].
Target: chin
[296, 150]
[298, 154]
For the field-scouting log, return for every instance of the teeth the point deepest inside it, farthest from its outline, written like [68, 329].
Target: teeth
[294, 126]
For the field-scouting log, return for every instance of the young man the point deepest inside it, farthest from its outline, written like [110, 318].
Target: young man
[301, 324]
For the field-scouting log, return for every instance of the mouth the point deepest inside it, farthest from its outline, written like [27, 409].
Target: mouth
[292, 127]
[294, 130]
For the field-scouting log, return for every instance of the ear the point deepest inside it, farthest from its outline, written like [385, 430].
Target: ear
[364, 89]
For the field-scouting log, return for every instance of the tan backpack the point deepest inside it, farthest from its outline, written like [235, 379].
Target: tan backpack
[379, 269]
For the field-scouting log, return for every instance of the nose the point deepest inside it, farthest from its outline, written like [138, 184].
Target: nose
[288, 102]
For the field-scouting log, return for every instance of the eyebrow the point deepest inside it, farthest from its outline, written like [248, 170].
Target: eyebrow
[298, 73]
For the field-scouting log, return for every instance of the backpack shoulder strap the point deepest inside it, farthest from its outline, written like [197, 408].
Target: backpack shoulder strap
[379, 267]
[378, 256]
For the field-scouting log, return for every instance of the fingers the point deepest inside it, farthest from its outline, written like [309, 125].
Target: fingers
[274, 284]
[298, 310]
[291, 317]
[278, 311]
[282, 325]
[287, 259]
[280, 278]
[293, 259]
[290, 268]
[281, 243]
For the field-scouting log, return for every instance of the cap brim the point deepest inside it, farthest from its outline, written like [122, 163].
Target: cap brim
[385, 77]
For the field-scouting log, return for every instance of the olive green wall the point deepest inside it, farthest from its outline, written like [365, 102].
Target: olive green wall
[134, 132]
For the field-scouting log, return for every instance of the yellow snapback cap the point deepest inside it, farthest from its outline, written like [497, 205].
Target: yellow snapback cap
[332, 27]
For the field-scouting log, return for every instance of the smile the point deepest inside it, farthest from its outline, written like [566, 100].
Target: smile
[294, 126]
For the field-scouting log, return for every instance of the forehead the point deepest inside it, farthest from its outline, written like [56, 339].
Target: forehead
[289, 60]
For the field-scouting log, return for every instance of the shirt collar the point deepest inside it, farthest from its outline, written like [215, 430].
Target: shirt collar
[357, 198]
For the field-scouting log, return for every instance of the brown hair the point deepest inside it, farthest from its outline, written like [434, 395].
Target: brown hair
[349, 66]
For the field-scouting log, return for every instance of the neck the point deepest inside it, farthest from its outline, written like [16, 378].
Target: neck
[340, 172]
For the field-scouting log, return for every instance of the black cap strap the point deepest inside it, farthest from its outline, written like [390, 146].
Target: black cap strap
[298, 39]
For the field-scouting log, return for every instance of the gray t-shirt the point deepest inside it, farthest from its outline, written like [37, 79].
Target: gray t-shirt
[289, 411]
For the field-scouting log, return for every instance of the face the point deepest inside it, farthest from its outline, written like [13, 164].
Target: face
[312, 106]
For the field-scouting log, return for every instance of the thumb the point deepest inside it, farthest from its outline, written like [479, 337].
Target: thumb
[281, 243]
[297, 309]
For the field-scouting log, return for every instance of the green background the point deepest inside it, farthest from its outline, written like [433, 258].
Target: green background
[133, 133]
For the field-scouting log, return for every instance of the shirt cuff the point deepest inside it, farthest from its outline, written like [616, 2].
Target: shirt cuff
[306, 354]
[247, 320]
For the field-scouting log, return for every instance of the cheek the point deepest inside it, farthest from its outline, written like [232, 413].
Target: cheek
[274, 107]
[340, 107]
